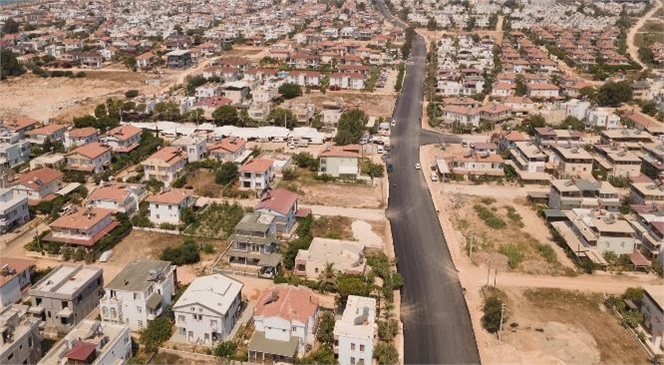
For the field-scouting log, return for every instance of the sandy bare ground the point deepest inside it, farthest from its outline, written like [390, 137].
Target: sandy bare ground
[631, 45]
[372, 104]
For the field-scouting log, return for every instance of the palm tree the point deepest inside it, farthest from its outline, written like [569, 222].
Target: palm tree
[327, 280]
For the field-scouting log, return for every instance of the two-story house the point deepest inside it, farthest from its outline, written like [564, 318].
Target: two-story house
[82, 227]
[90, 158]
[81, 136]
[229, 149]
[52, 132]
[123, 139]
[256, 174]
[37, 185]
[208, 310]
[196, 147]
[285, 319]
[346, 257]
[165, 165]
[66, 295]
[580, 193]
[21, 339]
[282, 204]
[13, 150]
[253, 244]
[166, 207]
[13, 210]
[139, 293]
[571, 161]
[15, 276]
[652, 308]
[117, 197]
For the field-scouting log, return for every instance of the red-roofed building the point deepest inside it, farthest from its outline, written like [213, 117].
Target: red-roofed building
[228, 149]
[165, 165]
[82, 353]
[91, 158]
[117, 197]
[166, 206]
[123, 139]
[81, 136]
[256, 174]
[54, 133]
[14, 277]
[83, 227]
[38, 184]
[282, 204]
[20, 125]
[340, 161]
[285, 318]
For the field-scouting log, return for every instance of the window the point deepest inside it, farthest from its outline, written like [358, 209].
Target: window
[352, 347]
[38, 300]
[140, 324]
[361, 348]
[65, 304]
[294, 329]
[30, 341]
[139, 309]
[104, 311]
[213, 323]
[316, 270]
[352, 360]
[181, 319]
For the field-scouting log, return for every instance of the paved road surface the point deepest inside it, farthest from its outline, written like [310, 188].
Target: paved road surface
[437, 327]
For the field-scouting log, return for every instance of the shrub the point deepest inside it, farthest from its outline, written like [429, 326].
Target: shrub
[289, 174]
[130, 94]
[514, 216]
[388, 329]
[187, 253]
[386, 354]
[513, 253]
[225, 349]
[547, 253]
[491, 317]
[488, 201]
[157, 331]
[207, 247]
[489, 218]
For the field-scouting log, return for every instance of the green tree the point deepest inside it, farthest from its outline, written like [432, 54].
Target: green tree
[521, 88]
[157, 331]
[536, 121]
[632, 318]
[11, 26]
[283, 118]
[587, 92]
[9, 65]
[373, 170]
[187, 253]
[386, 354]
[225, 349]
[227, 173]
[325, 334]
[351, 126]
[351, 285]
[432, 24]
[491, 317]
[650, 108]
[130, 62]
[615, 93]
[130, 94]
[327, 280]
[226, 115]
[388, 329]
[167, 110]
[290, 91]
[192, 83]
[573, 122]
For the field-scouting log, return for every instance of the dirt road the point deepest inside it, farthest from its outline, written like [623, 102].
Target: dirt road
[631, 45]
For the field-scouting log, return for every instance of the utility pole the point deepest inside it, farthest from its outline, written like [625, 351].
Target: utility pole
[502, 316]
[495, 276]
[488, 275]
[470, 247]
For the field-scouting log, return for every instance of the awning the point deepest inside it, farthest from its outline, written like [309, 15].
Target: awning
[550, 214]
[154, 300]
[442, 166]
[243, 157]
[263, 345]
[271, 260]
[639, 260]
[68, 189]
[572, 241]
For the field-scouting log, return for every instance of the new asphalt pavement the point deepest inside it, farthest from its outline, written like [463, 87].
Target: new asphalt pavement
[437, 326]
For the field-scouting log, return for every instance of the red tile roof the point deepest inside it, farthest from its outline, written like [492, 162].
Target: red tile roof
[36, 179]
[91, 150]
[18, 265]
[279, 200]
[292, 303]
[114, 192]
[81, 351]
[172, 196]
[229, 144]
[46, 130]
[124, 132]
[20, 123]
[82, 132]
[256, 165]
[81, 219]
[171, 155]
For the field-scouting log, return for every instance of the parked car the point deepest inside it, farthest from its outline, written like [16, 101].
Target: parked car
[418, 166]
[434, 176]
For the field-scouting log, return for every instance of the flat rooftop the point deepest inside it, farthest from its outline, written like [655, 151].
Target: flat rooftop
[90, 332]
[138, 275]
[66, 279]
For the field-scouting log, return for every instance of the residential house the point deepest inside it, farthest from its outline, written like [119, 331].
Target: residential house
[528, 157]
[256, 174]
[66, 295]
[165, 165]
[50, 160]
[459, 115]
[236, 91]
[305, 78]
[476, 164]
[179, 58]
[117, 197]
[253, 244]
[632, 139]
[21, 341]
[146, 60]
[351, 81]
[542, 91]
[355, 332]
[601, 231]
[15, 276]
[646, 192]
[340, 161]
[571, 160]
[229, 149]
[139, 293]
[123, 139]
[91, 158]
[507, 140]
[547, 136]
[649, 228]
[602, 118]
[52, 132]
[347, 257]
[196, 147]
[652, 308]
[580, 193]
[82, 227]
[208, 310]
[20, 125]
[285, 319]
[282, 204]
[166, 207]
[617, 161]
[37, 185]
[92, 342]
[13, 210]
[81, 136]
[13, 150]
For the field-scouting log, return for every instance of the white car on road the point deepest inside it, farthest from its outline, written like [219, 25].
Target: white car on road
[418, 166]
[393, 123]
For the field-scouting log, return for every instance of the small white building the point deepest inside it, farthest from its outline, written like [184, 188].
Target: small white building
[652, 308]
[81, 136]
[139, 293]
[123, 139]
[208, 310]
[345, 256]
[340, 161]
[355, 332]
[13, 210]
[15, 276]
[13, 150]
[196, 147]
[256, 174]
[167, 206]
[602, 118]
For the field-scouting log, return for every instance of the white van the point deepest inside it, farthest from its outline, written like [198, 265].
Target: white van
[381, 150]
[303, 143]
[434, 176]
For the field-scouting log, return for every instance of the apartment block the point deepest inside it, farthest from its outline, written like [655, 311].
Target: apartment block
[15, 276]
[21, 340]
[13, 210]
[355, 332]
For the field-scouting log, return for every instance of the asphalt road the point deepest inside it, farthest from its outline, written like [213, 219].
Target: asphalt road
[437, 327]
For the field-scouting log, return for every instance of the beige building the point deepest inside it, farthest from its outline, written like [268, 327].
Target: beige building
[345, 256]
[21, 341]
[571, 161]
[340, 161]
[165, 165]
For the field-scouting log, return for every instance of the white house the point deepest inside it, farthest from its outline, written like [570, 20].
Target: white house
[352, 81]
[602, 118]
[256, 174]
[81, 136]
[167, 206]
[229, 149]
[282, 204]
[91, 158]
[123, 139]
[13, 210]
[165, 165]
[285, 321]
[13, 150]
[83, 227]
[208, 310]
[341, 161]
[346, 257]
[196, 147]
[37, 184]
[139, 293]
[652, 308]
[542, 90]
[14, 276]
[355, 332]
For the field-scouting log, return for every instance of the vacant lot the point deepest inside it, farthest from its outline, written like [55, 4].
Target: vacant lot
[374, 105]
[337, 227]
[202, 181]
[551, 326]
[507, 234]
[166, 358]
[63, 98]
